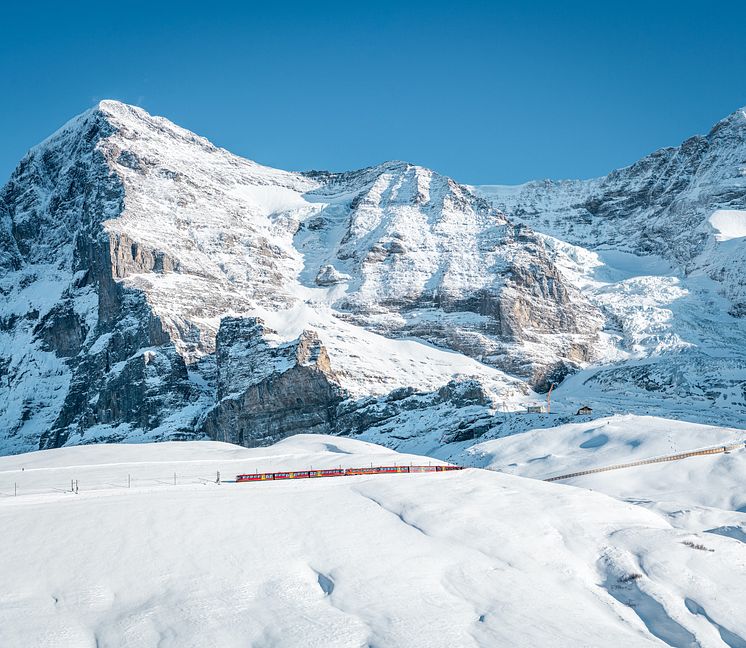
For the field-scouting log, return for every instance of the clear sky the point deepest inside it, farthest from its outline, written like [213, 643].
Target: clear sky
[493, 92]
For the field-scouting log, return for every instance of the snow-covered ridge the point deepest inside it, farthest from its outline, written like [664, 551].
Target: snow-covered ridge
[153, 236]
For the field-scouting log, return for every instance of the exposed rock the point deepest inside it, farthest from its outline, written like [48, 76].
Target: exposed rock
[328, 275]
[269, 390]
[458, 411]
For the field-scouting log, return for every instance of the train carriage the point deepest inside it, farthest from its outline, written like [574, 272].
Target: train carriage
[253, 477]
[339, 472]
[363, 471]
[418, 469]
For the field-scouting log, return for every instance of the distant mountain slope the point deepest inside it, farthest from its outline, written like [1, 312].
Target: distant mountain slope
[686, 204]
[660, 248]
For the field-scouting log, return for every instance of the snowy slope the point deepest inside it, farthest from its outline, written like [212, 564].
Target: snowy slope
[671, 348]
[464, 559]
[579, 446]
[699, 494]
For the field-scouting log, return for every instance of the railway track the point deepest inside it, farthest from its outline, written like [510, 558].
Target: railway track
[388, 470]
[675, 457]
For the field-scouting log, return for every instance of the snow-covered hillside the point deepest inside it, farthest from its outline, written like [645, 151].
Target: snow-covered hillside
[470, 558]
[699, 494]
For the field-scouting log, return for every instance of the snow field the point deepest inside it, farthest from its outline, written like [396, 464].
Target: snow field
[588, 444]
[472, 558]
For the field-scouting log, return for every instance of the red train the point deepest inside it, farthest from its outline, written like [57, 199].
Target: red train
[342, 472]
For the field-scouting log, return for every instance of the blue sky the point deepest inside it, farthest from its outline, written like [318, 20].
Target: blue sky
[497, 92]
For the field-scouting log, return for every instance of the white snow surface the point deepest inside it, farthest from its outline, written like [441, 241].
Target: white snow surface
[587, 444]
[702, 494]
[729, 223]
[469, 558]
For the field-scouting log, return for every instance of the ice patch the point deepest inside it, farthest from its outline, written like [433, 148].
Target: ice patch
[729, 223]
[325, 583]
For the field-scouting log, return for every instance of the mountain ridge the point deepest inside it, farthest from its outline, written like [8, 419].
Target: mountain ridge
[130, 241]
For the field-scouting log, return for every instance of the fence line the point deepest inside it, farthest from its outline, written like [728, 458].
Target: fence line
[642, 462]
[17, 488]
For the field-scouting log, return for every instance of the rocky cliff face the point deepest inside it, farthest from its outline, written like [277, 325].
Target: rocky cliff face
[154, 286]
[268, 389]
[80, 350]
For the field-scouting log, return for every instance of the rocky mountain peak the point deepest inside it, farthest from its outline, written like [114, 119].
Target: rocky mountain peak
[735, 123]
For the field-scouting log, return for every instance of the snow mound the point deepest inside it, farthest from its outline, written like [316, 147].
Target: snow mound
[591, 444]
[697, 494]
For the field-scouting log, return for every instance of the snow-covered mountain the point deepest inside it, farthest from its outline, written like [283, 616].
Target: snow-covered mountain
[154, 286]
[129, 241]
[659, 248]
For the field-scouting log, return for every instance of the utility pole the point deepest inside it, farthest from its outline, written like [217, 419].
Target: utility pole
[217, 481]
[129, 481]
[549, 398]
[174, 479]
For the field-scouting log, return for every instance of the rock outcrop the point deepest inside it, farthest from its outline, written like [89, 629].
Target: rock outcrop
[268, 390]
